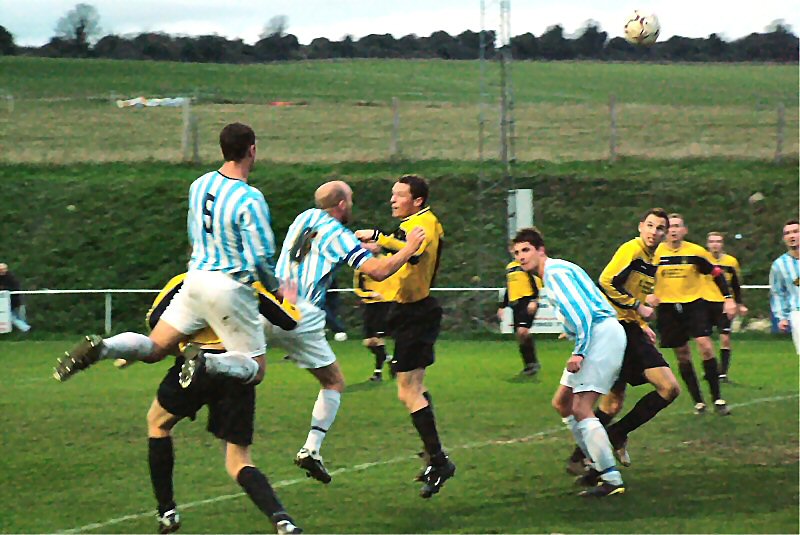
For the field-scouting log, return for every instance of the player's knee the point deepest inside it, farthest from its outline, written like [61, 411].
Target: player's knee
[561, 406]
[612, 404]
[670, 392]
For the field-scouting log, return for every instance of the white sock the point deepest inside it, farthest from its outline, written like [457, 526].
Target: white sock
[233, 364]
[572, 425]
[322, 418]
[594, 434]
[128, 346]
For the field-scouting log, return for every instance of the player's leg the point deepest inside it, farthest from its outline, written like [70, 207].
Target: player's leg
[527, 347]
[161, 460]
[724, 355]
[700, 330]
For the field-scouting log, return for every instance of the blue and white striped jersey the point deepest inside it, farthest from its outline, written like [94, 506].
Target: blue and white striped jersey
[784, 286]
[315, 245]
[579, 302]
[230, 229]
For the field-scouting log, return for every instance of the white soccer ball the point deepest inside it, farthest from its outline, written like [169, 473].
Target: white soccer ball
[340, 337]
[642, 29]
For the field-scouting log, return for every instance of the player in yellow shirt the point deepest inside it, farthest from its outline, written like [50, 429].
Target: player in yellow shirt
[415, 319]
[715, 243]
[522, 294]
[682, 312]
[376, 300]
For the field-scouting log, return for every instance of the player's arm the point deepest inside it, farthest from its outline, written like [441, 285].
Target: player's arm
[258, 241]
[705, 265]
[615, 274]
[384, 267]
[778, 294]
[276, 310]
[557, 285]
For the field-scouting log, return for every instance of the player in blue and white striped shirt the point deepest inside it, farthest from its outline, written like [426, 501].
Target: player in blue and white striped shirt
[316, 244]
[784, 282]
[595, 361]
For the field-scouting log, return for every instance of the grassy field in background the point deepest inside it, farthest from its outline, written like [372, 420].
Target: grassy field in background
[561, 110]
[77, 451]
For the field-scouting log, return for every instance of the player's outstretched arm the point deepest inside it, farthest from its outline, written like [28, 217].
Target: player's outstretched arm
[382, 268]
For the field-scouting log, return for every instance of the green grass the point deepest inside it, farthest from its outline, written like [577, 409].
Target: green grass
[561, 110]
[75, 453]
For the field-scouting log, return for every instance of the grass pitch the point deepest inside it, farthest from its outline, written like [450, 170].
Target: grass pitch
[75, 453]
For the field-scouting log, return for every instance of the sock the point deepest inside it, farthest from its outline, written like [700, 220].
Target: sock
[257, 486]
[599, 448]
[232, 364]
[425, 422]
[687, 373]
[604, 417]
[528, 351]
[322, 417]
[128, 346]
[572, 425]
[725, 357]
[161, 458]
[712, 377]
[644, 411]
[380, 357]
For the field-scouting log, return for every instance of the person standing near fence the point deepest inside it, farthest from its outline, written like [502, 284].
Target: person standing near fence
[715, 243]
[18, 314]
[229, 227]
[784, 282]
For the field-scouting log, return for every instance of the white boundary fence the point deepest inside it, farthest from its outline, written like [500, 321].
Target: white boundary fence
[545, 320]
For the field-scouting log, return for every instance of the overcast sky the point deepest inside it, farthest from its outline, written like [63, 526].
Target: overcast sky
[32, 22]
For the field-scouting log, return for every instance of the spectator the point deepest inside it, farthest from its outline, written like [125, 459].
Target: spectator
[9, 282]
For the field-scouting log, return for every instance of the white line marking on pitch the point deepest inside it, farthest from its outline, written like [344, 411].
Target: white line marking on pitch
[365, 466]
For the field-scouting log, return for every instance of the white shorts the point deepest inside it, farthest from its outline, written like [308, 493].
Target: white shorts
[213, 299]
[794, 323]
[306, 345]
[602, 362]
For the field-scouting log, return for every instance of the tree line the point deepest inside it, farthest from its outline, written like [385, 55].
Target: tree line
[76, 30]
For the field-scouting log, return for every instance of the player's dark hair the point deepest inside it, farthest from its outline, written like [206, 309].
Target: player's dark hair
[418, 186]
[235, 140]
[791, 222]
[530, 235]
[658, 212]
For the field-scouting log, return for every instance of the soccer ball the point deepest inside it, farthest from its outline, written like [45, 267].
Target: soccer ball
[642, 29]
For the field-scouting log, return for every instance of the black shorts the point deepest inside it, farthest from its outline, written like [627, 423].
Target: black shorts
[414, 327]
[521, 316]
[717, 318]
[376, 316]
[679, 322]
[640, 355]
[231, 404]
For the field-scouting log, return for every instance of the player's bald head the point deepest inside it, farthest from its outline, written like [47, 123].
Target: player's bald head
[3, 269]
[330, 194]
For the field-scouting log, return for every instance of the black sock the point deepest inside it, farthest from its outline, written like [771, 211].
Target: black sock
[425, 422]
[690, 378]
[380, 356]
[257, 486]
[427, 396]
[604, 417]
[528, 351]
[161, 457]
[712, 376]
[725, 357]
[577, 454]
[644, 411]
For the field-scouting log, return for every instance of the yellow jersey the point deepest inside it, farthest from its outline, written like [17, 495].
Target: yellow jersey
[416, 277]
[372, 291]
[733, 276]
[520, 283]
[681, 273]
[278, 312]
[628, 278]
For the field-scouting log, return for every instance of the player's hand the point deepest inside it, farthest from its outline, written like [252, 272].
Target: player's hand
[743, 310]
[562, 336]
[367, 234]
[652, 301]
[533, 306]
[289, 291]
[574, 363]
[729, 308]
[500, 313]
[415, 238]
[645, 311]
[783, 326]
[650, 333]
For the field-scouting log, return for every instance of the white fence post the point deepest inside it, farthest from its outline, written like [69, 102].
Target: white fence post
[394, 148]
[612, 138]
[780, 129]
[108, 314]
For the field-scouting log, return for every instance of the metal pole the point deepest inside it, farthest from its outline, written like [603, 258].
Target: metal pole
[612, 138]
[780, 127]
[394, 148]
[108, 314]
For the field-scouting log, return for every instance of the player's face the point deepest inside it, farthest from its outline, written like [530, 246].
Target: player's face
[527, 256]
[791, 236]
[715, 244]
[652, 230]
[677, 230]
[403, 203]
